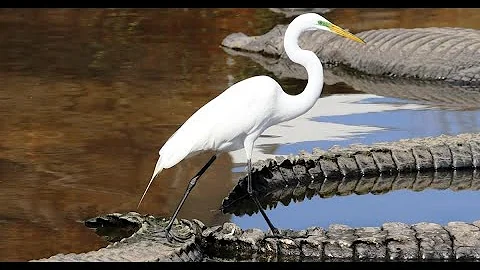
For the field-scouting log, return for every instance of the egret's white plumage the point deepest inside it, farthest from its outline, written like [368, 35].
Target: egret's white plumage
[222, 125]
[238, 116]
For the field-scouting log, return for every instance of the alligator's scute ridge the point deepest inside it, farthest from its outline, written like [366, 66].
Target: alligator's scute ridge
[434, 241]
[393, 241]
[361, 169]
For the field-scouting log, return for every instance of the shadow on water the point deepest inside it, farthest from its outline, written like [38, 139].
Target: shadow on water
[89, 96]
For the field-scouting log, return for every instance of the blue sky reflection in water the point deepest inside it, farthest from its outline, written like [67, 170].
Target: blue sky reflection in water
[399, 124]
[430, 205]
[439, 206]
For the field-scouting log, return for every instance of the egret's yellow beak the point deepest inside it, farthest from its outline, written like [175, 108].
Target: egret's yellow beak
[344, 33]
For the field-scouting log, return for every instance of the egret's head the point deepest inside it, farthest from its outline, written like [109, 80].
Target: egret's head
[318, 22]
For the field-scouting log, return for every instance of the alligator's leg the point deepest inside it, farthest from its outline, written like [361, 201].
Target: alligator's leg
[190, 186]
[255, 199]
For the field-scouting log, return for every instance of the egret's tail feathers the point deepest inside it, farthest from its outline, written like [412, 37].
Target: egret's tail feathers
[158, 169]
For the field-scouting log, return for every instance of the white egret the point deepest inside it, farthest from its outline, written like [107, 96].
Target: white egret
[238, 116]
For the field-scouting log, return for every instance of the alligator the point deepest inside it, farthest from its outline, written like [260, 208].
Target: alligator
[436, 53]
[393, 241]
[452, 160]
[433, 162]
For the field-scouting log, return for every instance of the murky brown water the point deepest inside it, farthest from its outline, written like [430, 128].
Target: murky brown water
[90, 95]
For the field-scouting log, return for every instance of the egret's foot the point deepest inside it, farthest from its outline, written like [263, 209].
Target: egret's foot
[172, 238]
[169, 237]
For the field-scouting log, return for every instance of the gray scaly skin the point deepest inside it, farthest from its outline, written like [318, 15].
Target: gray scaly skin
[393, 241]
[444, 54]
[435, 162]
[146, 244]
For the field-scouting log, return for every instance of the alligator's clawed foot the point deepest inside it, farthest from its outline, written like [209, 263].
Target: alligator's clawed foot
[172, 238]
[179, 233]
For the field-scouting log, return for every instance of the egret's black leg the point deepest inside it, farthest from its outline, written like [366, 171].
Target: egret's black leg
[190, 186]
[255, 199]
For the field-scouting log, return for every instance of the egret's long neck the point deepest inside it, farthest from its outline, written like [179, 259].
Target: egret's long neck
[292, 106]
